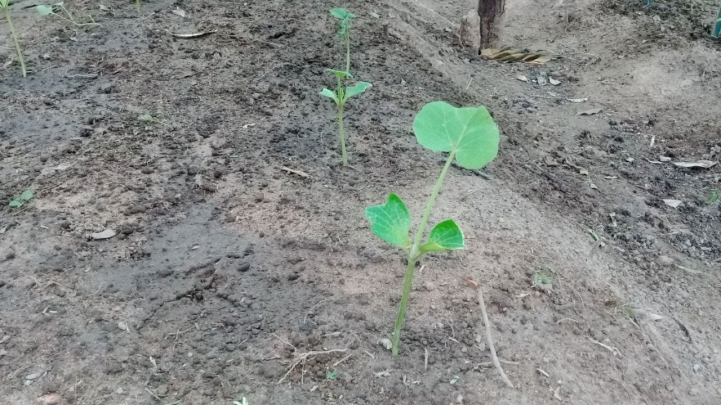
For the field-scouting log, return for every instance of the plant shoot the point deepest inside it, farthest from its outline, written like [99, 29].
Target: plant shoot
[340, 96]
[44, 10]
[471, 138]
[344, 17]
[5, 5]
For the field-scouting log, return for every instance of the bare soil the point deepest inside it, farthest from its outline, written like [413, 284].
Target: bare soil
[228, 269]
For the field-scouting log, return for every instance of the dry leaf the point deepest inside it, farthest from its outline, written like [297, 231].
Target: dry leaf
[106, 234]
[179, 12]
[522, 78]
[554, 81]
[193, 35]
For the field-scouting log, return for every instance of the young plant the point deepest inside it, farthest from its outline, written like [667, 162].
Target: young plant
[5, 5]
[716, 27]
[340, 96]
[26, 196]
[470, 137]
[44, 10]
[344, 17]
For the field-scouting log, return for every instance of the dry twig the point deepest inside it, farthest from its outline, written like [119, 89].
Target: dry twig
[301, 358]
[489, 338]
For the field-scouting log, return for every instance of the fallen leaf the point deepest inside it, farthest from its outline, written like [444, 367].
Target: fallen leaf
[672, 203]
[123, 326]
[146, 118]
[522, 78]
[592, 111]
[179, 12]
[577, 100]
[554, 81]
[384, 373]
[704, 164]
[106, 234]
[33, 376]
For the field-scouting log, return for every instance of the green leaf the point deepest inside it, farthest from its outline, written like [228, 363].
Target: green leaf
[340, 73]
[331, 375]
[444, 236]
[44, 10]
[16, 204]
[27, 195]
[712, 198]
[469, 131]
[356, 89]
[341, 13]
[391, 221]
[330, 94]
[146, 118]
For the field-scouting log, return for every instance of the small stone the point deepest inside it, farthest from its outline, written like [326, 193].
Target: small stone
[120, 391]
[244, 267]
[459, 399]
[428, 286]
[50, 399]
[162, 390]
[113, 368]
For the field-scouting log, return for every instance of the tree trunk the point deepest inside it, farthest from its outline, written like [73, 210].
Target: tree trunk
[488, 11]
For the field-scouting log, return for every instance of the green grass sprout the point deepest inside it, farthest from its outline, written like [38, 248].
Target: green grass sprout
[5, 5]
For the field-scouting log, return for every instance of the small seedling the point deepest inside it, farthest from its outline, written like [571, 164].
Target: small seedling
[44, 10]
[716, 27]
[471, 138]
[344, 17]
[5, 5]
[26, 196]
[340, 96]
[146, 118]
[331, 375]
[541, 280]
[712, 198]
[242, 401]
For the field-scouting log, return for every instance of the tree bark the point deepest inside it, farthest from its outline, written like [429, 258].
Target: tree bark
[488, 11]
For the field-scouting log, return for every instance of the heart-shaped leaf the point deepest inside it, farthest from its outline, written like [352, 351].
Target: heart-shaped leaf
[356, 89]
[44, 10]
[16, 204]
[27, 195]
[391, 221]
[444, 236]
[469, 132]
[330, 94]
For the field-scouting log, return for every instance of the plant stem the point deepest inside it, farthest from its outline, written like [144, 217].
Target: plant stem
[347, 52]
[341, 134]
[137, 6]
[15, 39]
[413, 255]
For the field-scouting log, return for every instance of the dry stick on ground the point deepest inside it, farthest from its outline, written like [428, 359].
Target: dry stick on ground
[489, 338]
[301, 358]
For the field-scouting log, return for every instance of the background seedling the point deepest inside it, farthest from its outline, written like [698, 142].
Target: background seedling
[344, 17]
[340, 96]
[44, 10]
[471, 138]
[5, 5]
[18, 202]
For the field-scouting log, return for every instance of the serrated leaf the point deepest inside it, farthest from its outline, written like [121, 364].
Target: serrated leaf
[16, 204]
[341, 13]
[340, 73]
[391, 221]
[330, 94]
[444, 236]
[44, 10]
[356, 89]
[468, 131]
[27, 195]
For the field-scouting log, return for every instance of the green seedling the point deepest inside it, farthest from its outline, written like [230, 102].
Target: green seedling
[26, 196]
[242, 401]
[716, 27]
[340, 96]
[470, 137]
[712, 198]
[541, 280]
[331, 375]
[344, 17]
[146, 118]
[44, 11]
[5, 5]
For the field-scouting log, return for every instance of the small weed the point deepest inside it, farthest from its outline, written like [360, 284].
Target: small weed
[331, 375]
[712, 198]
[340, 96]
[344, 18]
[241, 401]
[471, 138]
[18, 202]
[541, 280]
[44, 10]
[146, 118]
[5, 5]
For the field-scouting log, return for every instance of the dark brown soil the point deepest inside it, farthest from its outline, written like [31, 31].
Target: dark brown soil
[227, 268]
